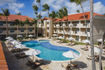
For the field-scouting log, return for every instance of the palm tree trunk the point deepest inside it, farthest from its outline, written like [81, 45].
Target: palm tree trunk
[7, 26]
[64, 32]
[34, 30]
[17, 29]
[84, 18]
[91, 35]
[37, 29]
[26, 30]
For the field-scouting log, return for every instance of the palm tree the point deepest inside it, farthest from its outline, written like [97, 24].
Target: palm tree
[34, 22]
[53, 16]
[78, 11]
[66, 15]
[79, 2]
[39, 1]
[18, 13]
[91, 35]
[61, 14]
[46, 8]
[6, 13]
[27, 22]
[35, 8]
[17, 25]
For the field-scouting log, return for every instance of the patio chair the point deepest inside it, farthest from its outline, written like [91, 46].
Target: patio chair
[89, 58]
[72, 67]
[21, 55]
[72, 44]
[19, 50]
[30, 62]
[85, 48]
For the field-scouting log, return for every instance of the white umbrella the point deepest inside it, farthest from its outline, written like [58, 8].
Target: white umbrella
[96, 50]
[32, 52]
[14, 42]
[70, 54]
[19, 35]
[18, 46]
[30, 35]
[60, 37]
[55, 35]
[86, 41]
[9, 38]
[99, 40]
[71, 39]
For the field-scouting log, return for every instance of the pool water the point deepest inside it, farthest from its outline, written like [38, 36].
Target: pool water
[49, 51]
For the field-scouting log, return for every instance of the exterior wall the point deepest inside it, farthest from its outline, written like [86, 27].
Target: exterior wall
[75, 29]
[12, 29]
[99, 27]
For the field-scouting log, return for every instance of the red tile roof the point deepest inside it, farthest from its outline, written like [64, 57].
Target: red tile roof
[78, 16]
[14, 17]
[46, 18]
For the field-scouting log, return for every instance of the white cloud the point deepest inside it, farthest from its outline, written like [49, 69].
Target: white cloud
[72, 7]
[12, 5]
[99, 8]
[3, 2]
[15, 6]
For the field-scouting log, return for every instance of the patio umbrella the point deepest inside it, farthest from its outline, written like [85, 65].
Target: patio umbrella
[60, 37]
[9, 38]
[71, 39]
[96, 50]
[86, 41]
[70, 54]
[19, 35]
[54, 35]
[18, 46]
[99, 40]
[32, 52]
[30, 35]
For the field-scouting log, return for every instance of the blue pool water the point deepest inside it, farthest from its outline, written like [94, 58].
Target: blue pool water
[49, 51]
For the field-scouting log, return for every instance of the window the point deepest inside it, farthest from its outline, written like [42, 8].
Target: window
[1, 24]
[30, 24]
[30, 30]
[11, 24]
[88, 30]
[11, 31]
[22, 30]
[1, 31]
[77, 38]
[22, 24]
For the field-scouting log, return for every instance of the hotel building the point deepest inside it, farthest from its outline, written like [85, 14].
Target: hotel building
[74, 26]
[12, 28]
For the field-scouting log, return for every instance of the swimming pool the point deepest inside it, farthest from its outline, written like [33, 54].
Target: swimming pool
[49, 51]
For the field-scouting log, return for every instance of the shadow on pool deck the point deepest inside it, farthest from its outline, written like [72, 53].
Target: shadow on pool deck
[14, 63]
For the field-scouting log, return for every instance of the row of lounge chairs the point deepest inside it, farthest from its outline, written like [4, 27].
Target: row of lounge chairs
[19, 53]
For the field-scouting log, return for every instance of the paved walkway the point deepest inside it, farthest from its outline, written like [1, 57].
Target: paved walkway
[3, 63]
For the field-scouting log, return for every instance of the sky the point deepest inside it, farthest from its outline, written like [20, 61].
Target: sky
[25, 6]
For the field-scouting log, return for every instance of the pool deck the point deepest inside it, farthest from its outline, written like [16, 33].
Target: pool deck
[15, 64]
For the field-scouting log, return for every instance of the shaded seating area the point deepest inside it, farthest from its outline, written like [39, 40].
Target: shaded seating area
[76, 65]
[19, 50]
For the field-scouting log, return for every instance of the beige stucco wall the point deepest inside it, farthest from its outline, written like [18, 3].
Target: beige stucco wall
[99, 27]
